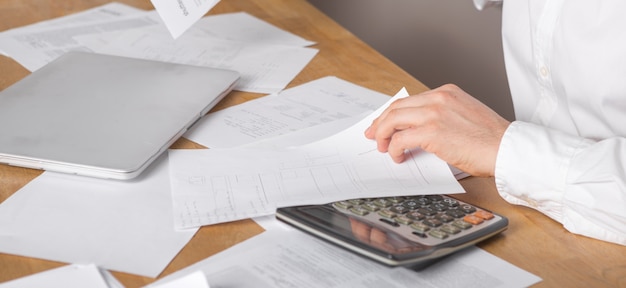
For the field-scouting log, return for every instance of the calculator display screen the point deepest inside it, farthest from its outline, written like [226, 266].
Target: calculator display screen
[369, 235]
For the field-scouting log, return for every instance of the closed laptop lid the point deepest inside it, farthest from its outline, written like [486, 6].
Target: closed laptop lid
[104, 116]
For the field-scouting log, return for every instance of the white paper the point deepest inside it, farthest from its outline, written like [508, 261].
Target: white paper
[192, 280]
[218, 185]
[104, 12]
[107, 11]
[323, 101]
[124, 226]
[264, 68]
[289, 258]
[70, 276]
[179, 15]
[34, 48]
[243, 27]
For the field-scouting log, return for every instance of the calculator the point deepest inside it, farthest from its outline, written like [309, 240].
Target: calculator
[411, 231]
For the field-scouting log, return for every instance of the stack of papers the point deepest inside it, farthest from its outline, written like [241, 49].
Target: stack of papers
[267, 57]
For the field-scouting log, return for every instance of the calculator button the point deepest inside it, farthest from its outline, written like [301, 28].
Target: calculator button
[423, 201]
[427, 211]
[432, 222]
[451, 202]
[411, 204]
[395, 200]
[343, 204]
[441, 206]
[462, 224]
[419, 227]
[438, 234]
[456, 213]
[484, 214]
[473, 219]
[468, 209]
[386, 213]
[444, 218]
[370, 207]
[403, 220]
[450, 229]
[382, 202]
[415, 215]
[399, 209]
[356, 201]
[358, 210]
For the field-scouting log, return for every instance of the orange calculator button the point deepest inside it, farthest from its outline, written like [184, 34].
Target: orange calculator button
[473, 219]
[484, 214]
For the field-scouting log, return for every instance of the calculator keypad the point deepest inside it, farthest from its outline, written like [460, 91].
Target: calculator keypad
[427, 219]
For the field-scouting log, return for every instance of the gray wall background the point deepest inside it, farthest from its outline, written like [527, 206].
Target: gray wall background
[436, 41]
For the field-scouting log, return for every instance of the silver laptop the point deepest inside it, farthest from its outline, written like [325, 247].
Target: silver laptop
[104, 116]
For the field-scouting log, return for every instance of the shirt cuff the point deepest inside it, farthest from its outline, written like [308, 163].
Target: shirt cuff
[532, 166]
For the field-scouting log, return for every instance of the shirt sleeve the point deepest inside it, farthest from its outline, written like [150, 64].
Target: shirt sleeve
[579, 182]
[482, 4]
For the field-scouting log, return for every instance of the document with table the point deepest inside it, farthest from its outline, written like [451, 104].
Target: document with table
[343, 166]
[295, 146]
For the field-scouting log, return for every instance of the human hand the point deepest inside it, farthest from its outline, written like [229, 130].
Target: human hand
[445, 121]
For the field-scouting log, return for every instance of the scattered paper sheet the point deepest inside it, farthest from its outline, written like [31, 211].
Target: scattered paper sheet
[179, 15]
[264, 68]
[70, 276]
[124, 226]
[218, 185]
[192, 280]
[105, 12]
[243, 27]
[267, 57]
[322, 101]
[34, 48]
[289, 258]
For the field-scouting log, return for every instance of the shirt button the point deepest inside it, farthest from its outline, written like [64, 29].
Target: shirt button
[543, 71]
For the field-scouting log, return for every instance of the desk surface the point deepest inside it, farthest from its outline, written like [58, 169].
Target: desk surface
[533, 242]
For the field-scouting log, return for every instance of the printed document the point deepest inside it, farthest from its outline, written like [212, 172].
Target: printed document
[179, 15]
[34, 48]
[218, 185]
[267, 57]
[322, 101]
[243, 27]
[104, 12]
[290, 258]
[264, 68]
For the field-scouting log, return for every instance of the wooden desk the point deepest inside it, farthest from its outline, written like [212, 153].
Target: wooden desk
[533, 242]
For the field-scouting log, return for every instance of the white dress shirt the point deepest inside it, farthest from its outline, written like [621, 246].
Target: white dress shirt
[565, 155]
